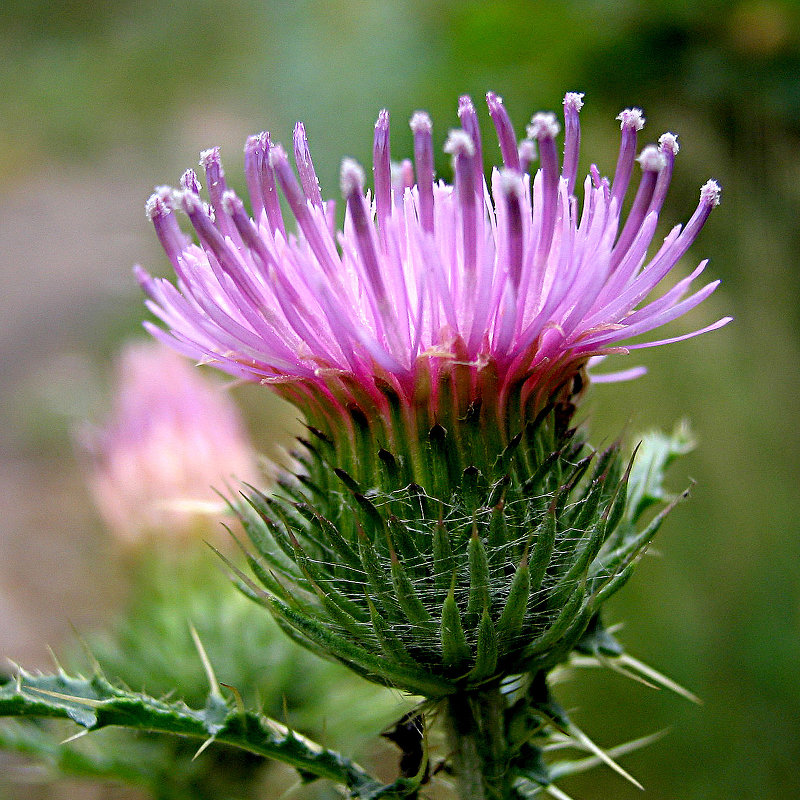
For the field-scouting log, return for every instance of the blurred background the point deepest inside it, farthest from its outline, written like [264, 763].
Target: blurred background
[100, 102]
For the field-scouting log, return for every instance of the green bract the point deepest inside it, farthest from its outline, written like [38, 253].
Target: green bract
[437, 558]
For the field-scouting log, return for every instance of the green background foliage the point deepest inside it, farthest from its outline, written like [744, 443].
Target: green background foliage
[99, 102]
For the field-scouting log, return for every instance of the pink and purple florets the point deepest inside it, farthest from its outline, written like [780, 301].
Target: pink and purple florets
[518, 276]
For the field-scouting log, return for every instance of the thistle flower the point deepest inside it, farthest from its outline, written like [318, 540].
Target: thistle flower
[509, 284]
[444, 527]
[171, 437]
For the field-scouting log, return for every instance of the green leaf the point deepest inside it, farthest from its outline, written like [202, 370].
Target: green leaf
[656, 452]
[94, 703]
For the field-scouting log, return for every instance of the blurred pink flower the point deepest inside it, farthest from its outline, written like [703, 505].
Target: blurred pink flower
[519, 283]
[173, 437]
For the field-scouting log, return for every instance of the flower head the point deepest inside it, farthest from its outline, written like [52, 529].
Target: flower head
[443, 513]
[172, 436]
[517, 277]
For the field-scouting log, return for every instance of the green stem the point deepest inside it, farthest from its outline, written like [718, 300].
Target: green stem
[476, 735]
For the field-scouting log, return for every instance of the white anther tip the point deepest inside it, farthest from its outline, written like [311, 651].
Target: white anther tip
[181, 198]
[153, 207]
[277, 154]
[510, 182]
[651, 159]
[573, 100]
[528, 150]
[544, 125]
[210, 157]
[189, 181]
[351, 177]
[710, 193]
[159, 204]
[465, 103]
[631, 118]
[421, 122]
[669, 141]
[230, 202]
[383, 119]
[459, 143]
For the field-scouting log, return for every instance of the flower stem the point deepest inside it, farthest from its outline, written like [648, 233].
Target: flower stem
[476, 735]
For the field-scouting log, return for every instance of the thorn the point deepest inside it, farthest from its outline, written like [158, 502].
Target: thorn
[90, 657]
[237, 697]
[660, 678]
[554, 791]
[564, 768]
[578, 734]
[237, 573]
[285, 708]
[611, 663]
[75, 736]
[203, 746]
[81, 701]
[209, 670]
[56, 662]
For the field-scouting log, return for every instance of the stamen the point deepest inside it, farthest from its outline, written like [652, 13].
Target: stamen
[253, 157]
[459, 143]
[159, 209]
[402, 179]
[352, 184]
[528, 153]
[505, 131]
[668, 147]
[159, 204]
[631, 118]
[190, 183]
[511, 250]
[651, 159]
[469, 122]
[544, 128]
[215, 177]
[631, 121]
[297, 202]
[543, 125]
[272, 203]
[512, 186]
[573, 102]
[422, 128]
[462, 147]
[351, 177]
[710, 193]
[215, 243]
[279, 162]
[652, 162]
[249, 233]
[305, 166]
[382, 169]
[669, 141]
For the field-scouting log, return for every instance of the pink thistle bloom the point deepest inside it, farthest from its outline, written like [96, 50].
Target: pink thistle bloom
[516, 283]
[173, 435]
